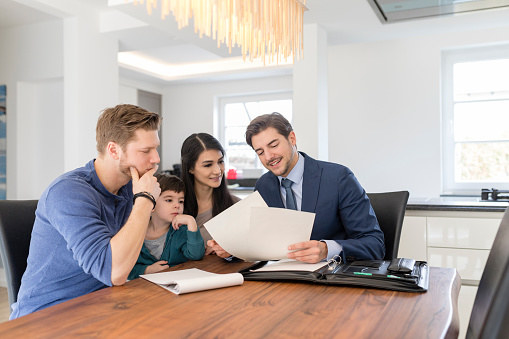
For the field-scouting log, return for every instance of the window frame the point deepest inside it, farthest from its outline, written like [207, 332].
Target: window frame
[222, 101]
[449, 58]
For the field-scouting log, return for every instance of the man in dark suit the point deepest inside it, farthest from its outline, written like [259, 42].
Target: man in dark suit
[345, 223]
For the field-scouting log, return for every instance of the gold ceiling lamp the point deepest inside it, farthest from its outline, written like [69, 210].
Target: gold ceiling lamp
[262, 28]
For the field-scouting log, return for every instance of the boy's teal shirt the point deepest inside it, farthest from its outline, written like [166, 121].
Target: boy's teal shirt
[181, 245]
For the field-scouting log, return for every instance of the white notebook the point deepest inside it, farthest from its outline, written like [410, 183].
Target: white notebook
[193, 280]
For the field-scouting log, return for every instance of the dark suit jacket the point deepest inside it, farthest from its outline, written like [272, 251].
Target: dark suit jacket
[343, 211]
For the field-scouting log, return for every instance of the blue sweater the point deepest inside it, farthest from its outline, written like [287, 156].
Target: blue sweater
[70, 252]
[180, 246]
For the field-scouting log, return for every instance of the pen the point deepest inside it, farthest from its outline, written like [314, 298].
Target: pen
[362, 273]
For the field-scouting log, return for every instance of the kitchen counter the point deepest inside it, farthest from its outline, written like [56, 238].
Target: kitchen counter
[241, 191]
[473, 204]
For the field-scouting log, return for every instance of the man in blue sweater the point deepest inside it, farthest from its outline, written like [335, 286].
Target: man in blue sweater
[91, 222]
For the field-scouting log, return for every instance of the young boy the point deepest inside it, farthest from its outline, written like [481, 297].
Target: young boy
[172, 237]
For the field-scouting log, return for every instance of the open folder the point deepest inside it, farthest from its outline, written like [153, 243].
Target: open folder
[368, 273]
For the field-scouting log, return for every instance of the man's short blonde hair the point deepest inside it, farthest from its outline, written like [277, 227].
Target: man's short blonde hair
[119, 124]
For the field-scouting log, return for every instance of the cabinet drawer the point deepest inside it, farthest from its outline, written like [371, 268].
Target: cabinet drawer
[469, 263]
[462, 232]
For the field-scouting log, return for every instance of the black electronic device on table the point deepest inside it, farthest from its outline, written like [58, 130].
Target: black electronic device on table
[496, 195]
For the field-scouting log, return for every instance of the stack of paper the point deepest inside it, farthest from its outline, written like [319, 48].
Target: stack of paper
[291, 265]
[252, 231]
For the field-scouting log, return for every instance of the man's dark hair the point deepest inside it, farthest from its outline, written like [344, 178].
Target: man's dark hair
[261, 123]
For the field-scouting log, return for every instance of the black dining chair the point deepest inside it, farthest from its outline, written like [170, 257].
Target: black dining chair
[390, 211]
[490, 313]
[16, 223]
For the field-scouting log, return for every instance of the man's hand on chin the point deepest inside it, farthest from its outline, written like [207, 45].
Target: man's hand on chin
[146, 183]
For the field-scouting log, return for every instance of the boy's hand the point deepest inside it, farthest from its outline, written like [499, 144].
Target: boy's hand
[220, 252]
[208, 250]
[157, 267]
[147, 182]
[184, 219]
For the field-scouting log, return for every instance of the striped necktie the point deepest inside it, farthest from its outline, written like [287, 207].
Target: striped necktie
[290, 197]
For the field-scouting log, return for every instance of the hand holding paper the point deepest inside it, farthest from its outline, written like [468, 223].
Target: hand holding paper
[218, 250]
[308, 251]
[252, 231]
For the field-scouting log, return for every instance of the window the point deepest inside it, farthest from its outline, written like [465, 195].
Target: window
[475, 120]
[235, 113]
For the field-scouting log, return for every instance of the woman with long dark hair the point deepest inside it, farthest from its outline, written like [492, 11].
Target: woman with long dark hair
[202, 158]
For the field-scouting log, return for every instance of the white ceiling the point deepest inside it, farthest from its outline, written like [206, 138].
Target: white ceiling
[13, 13]
[160, 42]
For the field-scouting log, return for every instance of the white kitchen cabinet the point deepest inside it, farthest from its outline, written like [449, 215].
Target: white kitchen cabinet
[468, 262]
[455, 232]
[457, 239]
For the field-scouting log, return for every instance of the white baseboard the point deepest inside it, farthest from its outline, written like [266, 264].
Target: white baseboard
[3, 280]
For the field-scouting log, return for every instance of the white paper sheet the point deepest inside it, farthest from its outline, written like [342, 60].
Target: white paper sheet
[252, 231]
[193, 280]
[230, 227]
[291, 265]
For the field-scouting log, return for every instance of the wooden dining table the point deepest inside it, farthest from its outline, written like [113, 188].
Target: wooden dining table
[255, 309]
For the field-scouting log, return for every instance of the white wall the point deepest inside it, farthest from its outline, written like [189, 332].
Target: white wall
[189, 108]
[310, 103]
[31, 55]
[384, 109]
[40, 120]
[91, 83]
[59, 76]
[383, 103]
[128, 95]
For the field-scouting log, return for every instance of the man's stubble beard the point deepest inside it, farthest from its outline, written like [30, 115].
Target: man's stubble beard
[286, 169]
[125, 169]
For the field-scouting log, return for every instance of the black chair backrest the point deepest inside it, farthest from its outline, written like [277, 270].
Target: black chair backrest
[390, 211]
[490, 314]
[16, 223]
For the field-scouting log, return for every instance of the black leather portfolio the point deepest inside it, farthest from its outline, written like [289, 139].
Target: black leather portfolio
[369, 273]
